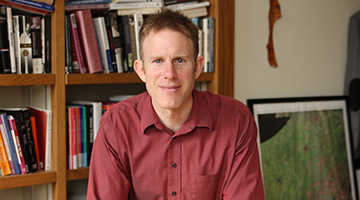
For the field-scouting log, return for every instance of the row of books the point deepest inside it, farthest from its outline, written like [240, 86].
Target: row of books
[25, 140]
[25, 42]
[83, 119]
[107, 42]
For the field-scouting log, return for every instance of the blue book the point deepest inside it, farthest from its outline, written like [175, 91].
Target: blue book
[86, 2]
[34, 4]
[11, 143]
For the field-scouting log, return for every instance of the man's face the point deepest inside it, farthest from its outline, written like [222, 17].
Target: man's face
[169, 69]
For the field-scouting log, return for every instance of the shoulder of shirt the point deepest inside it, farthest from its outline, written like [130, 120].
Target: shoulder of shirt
[223, 102]
[131, 104]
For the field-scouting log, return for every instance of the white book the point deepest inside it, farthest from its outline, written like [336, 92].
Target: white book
[184, 6]
[11, 39]
[195, 12]
[97, 113]
[120, 97]
[206, 44]
[103, 41]
[116, 6]
[17, 23]
[142, 11]
[138, 20]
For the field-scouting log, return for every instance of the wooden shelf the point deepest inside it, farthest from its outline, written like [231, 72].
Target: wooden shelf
[23, 180]
[77, 174]
[115, 78]
[26, 79]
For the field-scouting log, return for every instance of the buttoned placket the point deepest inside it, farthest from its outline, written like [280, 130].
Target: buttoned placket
[174, 169]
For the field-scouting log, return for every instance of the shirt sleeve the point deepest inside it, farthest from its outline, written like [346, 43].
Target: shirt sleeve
[107, 175]
[245, 180]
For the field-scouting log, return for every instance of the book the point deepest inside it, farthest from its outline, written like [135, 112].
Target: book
[195, 12]
[116, 39]
[103, 43]
[97, 113]
[86, 2]
[78, 62]
[7, 146]
[17, 23]
[110, 40]
[4, 163]
[184, 6]
[142, 11]
[128, 55]
[36, 144]
[72, 137]
[25, 45]
[133, 1]
[24, 8]
[138, 21]
[46, 43]
[211, 43]
[92, 7]
[4, 42]
[68, 46]
[169, 2]
[5, 127]
[26, 138]
[17, 144]
[206, 44]
[36, 49]
[116, 6]
[88, 41]
[34, 4]
[44, 134]
[132, 46]
[10, 31]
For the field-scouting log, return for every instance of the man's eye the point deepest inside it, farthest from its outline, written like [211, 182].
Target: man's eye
[179, 60]
[157, 61]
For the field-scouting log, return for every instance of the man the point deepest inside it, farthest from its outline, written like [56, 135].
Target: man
[173, 142]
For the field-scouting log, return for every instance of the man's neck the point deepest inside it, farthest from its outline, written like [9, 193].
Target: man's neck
[174, 119]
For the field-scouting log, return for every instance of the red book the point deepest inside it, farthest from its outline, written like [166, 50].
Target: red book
[88, 41]
[19, 151]
[78, 57]
[72, 129]
[33, 127]
[24, 8]
[44, 134]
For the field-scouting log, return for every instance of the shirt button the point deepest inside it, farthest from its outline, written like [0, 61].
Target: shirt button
[173, 193]
[174, 165]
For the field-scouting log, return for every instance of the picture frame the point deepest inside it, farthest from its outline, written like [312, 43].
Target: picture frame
[305, 147]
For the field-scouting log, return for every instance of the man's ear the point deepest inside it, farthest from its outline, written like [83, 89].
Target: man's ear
[139, 69]
[199, 66]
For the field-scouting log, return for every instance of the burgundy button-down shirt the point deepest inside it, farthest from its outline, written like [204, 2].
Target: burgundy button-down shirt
[213, 155]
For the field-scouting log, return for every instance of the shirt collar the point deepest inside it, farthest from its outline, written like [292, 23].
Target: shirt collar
[199, 116]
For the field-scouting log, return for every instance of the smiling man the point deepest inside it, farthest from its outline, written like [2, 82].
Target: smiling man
[174, 142]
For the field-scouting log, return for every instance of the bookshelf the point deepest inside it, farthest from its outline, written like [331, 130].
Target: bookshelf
[221, 81]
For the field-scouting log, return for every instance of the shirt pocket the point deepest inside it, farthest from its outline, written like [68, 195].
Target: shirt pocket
[206, 187]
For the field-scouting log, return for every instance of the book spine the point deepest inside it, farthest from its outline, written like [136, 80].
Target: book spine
[47, 43]
[97, 7]
[24, 7]
[89, 41]
[85, 2]
[84, 145]
[48, 141]
[127, 44]
[206, 44]
[4, 163]
[138, 20]
[34, 4]
[132, 41]
[25, 45]
[7, 146]
[11, 143]
[116, 40]
[15, 137]
[4, 42]
[17, 21]
[102, 40]
[211, 44]
[120, 20]
[116, 6]
[35, 29]
[36, 144]
[110, 41]
[11, 39]
[77, 46]
[32, 159]
[68, 46]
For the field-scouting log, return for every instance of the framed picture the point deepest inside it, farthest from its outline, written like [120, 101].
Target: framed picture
[305, 148]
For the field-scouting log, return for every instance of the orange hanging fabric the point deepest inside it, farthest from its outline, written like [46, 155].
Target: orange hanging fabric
[274, 15]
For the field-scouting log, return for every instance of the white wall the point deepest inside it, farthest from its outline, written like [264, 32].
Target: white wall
[310, 42]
